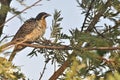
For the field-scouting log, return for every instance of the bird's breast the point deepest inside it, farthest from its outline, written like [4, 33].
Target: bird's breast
[37, 32]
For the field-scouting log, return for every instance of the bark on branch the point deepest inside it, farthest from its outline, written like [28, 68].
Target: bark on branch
[60, 70]
[52, 47]
[98, 15]
[67, 47]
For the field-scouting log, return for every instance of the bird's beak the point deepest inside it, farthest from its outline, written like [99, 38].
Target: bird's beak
[48, 15]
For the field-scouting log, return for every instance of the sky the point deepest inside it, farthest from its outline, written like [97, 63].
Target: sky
[72, 18]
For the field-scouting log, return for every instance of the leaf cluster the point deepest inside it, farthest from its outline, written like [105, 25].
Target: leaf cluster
[56, 29]
[9, 71]
[77, 68]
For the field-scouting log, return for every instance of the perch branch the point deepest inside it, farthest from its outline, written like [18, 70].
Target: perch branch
[52, 47]
[60, 70]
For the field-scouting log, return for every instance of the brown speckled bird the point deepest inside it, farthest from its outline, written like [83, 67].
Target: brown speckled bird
[30, 31]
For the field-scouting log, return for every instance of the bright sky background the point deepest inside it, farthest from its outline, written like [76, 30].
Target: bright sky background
[72, 18]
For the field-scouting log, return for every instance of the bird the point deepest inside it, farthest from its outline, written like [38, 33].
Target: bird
[29, 32]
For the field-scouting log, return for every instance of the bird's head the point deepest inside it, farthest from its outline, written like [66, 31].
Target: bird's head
[42, 15]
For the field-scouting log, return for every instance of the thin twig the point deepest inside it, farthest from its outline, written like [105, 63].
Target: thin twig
[43, 71]
[20, 12]
[117, 24]
[5, 37]
[103, 48]
[87, 14]
[98, 32]
[41, 75]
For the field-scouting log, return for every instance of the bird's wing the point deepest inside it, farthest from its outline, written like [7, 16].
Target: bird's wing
[26, 28]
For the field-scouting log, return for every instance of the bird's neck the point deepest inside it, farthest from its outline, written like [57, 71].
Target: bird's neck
[42, 23]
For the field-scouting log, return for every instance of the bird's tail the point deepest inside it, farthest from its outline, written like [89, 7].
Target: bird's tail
[12, 55]
[16, 49]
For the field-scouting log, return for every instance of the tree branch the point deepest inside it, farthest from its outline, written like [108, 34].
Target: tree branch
[98, 15]
[87, 14]
[52, 47]
[60, 70]
[67, 47]
[103, 48]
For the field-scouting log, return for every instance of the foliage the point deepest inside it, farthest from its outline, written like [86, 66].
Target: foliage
[77, 69]
[9, 71]
[97, 66]
[86, 58]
